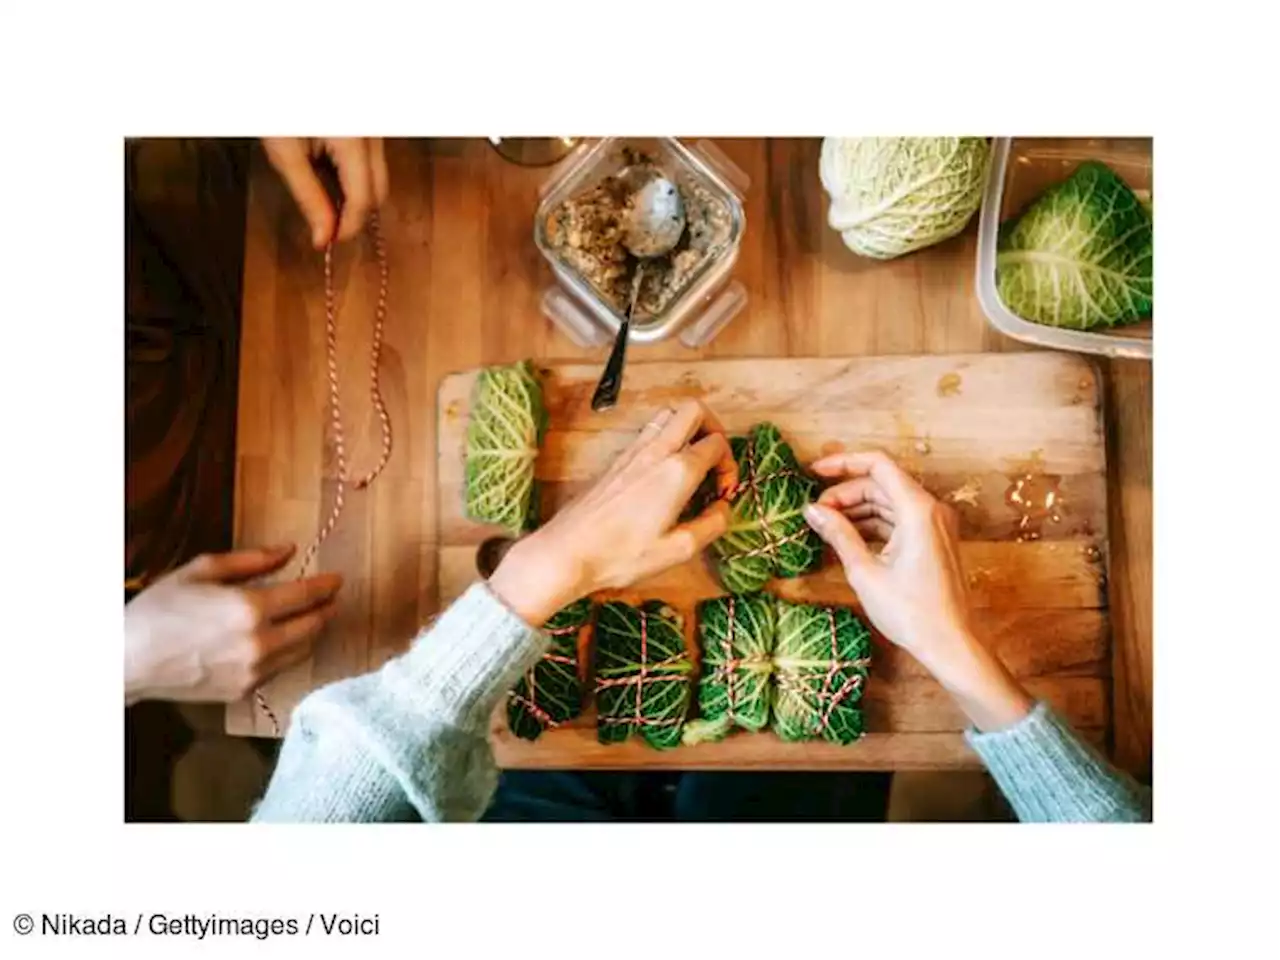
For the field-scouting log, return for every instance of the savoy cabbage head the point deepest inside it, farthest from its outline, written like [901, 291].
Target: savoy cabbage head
[893, 195]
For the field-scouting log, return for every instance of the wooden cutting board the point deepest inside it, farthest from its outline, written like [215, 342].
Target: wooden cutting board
[998, 435]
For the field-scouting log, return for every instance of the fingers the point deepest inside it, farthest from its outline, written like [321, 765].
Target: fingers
[711, 453]
[687, 540]
[283, 600]
[351, 157]
[653, 429]
[856, 493]
[282, 641]
[693, 419]
[282, 661]
[378, 165]
[710, 422]
[900, 486]
[237, 565]
[687, 419]
[643, 441]
[873, 528]
[838, 532]
[289, 156]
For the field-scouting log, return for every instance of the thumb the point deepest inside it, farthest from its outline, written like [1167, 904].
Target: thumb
[836, 530]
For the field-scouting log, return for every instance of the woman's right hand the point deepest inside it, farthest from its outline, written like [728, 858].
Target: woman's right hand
[361, 163]
[914, 590]
[627, 525]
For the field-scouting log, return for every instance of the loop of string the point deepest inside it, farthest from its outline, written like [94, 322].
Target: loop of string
[335, 412]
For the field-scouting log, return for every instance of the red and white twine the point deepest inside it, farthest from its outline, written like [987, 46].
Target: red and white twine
[827, 699]
[530, 702]
[752, 485]
[730, 665]
[639, 680]
[335, 411]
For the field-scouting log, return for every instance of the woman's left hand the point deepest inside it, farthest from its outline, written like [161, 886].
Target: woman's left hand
[625, 528]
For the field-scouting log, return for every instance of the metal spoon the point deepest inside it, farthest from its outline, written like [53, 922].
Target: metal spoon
[655, 223]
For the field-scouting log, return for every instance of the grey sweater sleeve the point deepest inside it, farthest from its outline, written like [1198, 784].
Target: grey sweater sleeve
[408, 741]
[1049, 774]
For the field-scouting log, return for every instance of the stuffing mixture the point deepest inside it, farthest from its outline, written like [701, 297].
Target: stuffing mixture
[586, 232]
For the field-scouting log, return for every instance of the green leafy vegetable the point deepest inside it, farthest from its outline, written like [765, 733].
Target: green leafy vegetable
[642, 673]
[508, 420]
[1080, 256]
[821, 659]
[737, 636]
[551, 693]
[893, 195]
[767, 535]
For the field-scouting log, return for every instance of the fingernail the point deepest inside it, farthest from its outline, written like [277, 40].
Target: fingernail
[814, 516]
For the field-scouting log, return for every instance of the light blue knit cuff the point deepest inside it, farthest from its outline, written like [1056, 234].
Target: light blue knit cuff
[1049, 774]
[461, 665]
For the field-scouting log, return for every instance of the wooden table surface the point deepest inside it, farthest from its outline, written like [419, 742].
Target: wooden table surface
[465, 280]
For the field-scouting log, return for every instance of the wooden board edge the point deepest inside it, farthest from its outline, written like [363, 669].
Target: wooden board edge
[755, 751]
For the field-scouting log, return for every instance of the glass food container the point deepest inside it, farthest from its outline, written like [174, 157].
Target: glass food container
[707, 301]
[1020, 170]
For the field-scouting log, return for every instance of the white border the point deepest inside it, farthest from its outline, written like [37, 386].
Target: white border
[77, 80]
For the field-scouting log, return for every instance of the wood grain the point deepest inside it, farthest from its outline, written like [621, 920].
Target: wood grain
[465, 285]
[1041, 604]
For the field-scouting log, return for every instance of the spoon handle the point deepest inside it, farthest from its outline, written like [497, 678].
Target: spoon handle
[606, 395]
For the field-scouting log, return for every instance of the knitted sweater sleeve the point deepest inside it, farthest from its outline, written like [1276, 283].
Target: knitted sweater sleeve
[408, 741]
[1049, 774]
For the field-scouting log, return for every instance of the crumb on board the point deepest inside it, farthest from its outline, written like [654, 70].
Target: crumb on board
[967, 492]
[949, 384]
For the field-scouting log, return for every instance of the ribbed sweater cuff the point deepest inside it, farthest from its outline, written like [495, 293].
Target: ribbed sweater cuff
[461, 665]
[1049, 774]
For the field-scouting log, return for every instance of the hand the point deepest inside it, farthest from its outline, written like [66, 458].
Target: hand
[625, 528]
[362, 171]
[914, 591]
[203, 634]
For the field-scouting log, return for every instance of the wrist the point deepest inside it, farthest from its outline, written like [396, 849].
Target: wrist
[981, 685]
[534, 583]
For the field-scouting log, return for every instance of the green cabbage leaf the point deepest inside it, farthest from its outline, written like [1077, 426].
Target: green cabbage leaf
[767, 535]
[643, 674]
[821, 660]
[506, 427]
[1080, 256]
[551, 693]
[736, 634]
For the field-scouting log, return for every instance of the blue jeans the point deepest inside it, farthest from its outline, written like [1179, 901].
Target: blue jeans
[572, 797]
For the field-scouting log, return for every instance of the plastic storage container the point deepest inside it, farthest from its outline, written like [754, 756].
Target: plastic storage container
[1022, 168]
[710, 299]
